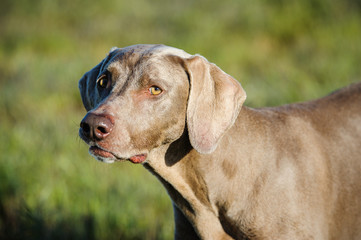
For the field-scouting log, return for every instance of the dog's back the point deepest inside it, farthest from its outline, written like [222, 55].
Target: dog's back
[336, 122]
[342, 122]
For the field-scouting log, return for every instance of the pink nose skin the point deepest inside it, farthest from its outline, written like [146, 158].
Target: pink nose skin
[96, 127]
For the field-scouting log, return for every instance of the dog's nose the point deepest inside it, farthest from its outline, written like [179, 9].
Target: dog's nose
[96, 127]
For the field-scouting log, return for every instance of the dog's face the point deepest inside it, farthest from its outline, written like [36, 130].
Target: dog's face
[132, 97]
[141, 97]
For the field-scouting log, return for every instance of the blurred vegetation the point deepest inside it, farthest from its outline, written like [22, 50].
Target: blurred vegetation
[50, 188]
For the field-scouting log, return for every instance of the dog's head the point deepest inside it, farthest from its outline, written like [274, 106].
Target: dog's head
[143, 97]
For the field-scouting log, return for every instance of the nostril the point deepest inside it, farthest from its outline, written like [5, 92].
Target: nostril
[85, 126]
[102, 130]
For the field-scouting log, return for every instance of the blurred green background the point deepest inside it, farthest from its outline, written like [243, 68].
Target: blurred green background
[50, 188]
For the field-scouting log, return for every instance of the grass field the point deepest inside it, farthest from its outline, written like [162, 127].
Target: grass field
[50, 188]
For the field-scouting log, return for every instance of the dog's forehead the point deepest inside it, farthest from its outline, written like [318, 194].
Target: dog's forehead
[130, 57]
[149, 49]
[139, 60]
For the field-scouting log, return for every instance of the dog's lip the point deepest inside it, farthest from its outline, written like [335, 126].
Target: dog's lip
[97, 151]
[100, 152]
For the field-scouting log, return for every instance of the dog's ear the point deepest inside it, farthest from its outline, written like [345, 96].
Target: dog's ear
[87, 87]
[215, 100]
[113, 49]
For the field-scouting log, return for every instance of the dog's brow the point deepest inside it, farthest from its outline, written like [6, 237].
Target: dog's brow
[144, 80]
[115, 72]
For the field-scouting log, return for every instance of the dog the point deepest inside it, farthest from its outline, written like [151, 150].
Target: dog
[232, 172]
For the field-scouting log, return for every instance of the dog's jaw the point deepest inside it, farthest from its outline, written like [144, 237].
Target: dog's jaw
[109, 157]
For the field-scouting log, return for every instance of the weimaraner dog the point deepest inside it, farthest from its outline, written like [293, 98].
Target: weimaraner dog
[232, 172]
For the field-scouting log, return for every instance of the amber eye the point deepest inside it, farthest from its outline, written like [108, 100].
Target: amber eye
[154, 90]
[102, 82]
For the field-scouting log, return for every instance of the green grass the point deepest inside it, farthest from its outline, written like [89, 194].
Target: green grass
[50, 188]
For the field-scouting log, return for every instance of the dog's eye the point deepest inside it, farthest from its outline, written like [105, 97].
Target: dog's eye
[154, 90]
[102, 82]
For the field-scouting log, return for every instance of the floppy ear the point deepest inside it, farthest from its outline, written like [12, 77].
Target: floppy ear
[215, 100]
[87, 87]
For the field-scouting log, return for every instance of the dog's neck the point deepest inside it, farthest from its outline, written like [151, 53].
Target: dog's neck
[189, 176]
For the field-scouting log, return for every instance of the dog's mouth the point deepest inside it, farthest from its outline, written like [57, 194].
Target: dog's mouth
[109, 157]
[98, 152]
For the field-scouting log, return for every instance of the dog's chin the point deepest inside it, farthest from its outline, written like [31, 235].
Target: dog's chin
[104, 160]
[108, 157]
